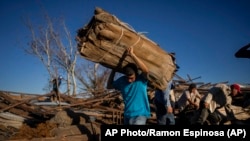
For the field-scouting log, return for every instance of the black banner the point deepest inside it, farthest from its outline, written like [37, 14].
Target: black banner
[225, 132]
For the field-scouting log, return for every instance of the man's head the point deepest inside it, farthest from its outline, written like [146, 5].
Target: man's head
[192, 87]
[130, 70]
[235, 89]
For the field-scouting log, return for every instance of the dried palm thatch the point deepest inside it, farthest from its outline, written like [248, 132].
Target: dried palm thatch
[105, 39]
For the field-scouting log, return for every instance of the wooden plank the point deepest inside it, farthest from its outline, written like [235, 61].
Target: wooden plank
[21, 102]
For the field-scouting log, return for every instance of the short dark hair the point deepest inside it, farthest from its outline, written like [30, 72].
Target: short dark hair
[191, 86]
[130, 69]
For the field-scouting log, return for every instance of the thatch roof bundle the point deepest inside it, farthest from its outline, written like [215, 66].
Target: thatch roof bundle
[105, 39]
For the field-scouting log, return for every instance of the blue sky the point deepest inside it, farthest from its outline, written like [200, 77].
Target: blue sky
[204, 34]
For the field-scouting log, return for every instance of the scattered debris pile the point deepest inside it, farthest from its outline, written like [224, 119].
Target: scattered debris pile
[35, 117]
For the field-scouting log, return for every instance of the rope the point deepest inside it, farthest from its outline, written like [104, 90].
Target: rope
[124, 24]
[119, 37]
[136, 42]
[122, 33]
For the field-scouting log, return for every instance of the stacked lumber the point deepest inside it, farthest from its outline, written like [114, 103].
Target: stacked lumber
[105, 40]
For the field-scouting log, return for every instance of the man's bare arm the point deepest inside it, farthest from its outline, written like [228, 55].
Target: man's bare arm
[111, 79]
[138, 61]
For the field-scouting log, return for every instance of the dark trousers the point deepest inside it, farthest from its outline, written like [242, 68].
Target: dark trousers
[55, 96]
[186, 115]
[163, 117]
[206, 116]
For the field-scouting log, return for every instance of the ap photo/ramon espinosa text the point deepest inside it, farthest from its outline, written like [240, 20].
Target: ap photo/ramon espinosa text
[192, 132]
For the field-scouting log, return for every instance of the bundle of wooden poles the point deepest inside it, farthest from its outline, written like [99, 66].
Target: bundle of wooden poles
[105, 40]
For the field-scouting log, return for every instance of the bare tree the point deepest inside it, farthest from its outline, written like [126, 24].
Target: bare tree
[50, 47]
[40, 46]
[52, 44]
[66, 56]
[92, 78]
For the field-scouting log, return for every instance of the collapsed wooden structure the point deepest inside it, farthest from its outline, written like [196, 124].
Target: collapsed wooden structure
[24, 116]
[105, 40]
[22, 111]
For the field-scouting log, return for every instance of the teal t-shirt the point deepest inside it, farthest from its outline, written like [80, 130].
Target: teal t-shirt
[134, 96]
